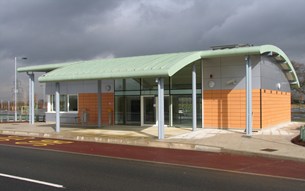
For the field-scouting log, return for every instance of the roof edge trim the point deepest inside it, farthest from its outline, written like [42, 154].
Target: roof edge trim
[184, 62]
[43, 68]
[273, 49]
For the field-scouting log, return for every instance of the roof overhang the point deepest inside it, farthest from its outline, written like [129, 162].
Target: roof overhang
[268, 50]
[283, 61]
[44, 68]
[153, 65]
[129, 67]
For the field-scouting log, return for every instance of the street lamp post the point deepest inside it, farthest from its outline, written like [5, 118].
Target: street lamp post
[15, 88]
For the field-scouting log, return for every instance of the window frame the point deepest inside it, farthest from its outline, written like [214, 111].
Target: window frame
[66, 103]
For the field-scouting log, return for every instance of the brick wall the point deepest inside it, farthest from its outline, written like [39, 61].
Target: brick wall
[88, 102]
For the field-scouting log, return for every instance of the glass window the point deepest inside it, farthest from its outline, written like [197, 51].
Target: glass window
[72, 102]
[63, 103]
[119, 85]
[133, 110]
[149, 86]
[67, 103]
[132, 84]
[119, 110]
[183, 110]
[52, 103]
[127, 110]
[183, 78]
[127, 84]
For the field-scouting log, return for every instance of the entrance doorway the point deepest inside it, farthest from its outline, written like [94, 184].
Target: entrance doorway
[127, 110]
[149, 110]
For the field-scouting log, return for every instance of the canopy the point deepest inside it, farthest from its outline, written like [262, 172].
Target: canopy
[160, 65]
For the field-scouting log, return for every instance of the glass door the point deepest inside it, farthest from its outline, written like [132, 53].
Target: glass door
[127, 110]
[149, 110]
[150, 107]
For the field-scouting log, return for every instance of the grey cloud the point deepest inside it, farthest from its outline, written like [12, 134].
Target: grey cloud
[49, 31]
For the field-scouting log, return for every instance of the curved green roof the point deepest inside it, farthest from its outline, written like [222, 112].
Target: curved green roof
[269, 50]
[152, 65]
[44, 67]
[129, 67]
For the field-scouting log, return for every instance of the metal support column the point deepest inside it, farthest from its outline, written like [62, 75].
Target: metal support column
[248, 96]
[160, 108]
[171, 107]
[15, 91]
[194, 96]
[49, 103]
[202, 95]
[99, 103]
[32, 98]
[171, 111]
[162, 104]
[57, 101]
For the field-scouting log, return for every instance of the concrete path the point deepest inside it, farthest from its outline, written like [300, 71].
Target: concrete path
[273, 142]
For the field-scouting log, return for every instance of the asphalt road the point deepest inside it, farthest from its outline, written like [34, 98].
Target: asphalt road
[76, 172]
[224, 161]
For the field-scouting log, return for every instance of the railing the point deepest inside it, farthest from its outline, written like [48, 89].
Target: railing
[11, 117]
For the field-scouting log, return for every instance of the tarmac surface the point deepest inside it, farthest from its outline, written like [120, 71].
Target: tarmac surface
[271, 142]
[254, 165]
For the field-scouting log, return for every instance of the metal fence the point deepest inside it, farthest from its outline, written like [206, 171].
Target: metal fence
[9, 116]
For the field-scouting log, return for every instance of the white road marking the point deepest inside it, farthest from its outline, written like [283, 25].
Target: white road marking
[32, 180]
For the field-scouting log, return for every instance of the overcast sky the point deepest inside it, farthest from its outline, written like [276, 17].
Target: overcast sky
[51, 31]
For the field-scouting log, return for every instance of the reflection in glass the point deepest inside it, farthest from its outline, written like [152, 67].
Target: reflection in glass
[127, 110]
[183, 111]
[149, 110]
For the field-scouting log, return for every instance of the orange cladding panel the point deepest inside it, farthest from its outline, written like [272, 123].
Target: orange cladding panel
[87, 102]
[227, 108]
[276, 107]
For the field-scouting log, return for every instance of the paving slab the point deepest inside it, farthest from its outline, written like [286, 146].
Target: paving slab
[271, 142]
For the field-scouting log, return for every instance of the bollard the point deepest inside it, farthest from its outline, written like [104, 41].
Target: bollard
[302, 133]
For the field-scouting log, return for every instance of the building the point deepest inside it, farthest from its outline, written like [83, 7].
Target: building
[235, 86]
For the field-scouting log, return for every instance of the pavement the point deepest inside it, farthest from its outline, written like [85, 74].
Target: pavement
[272, 142]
